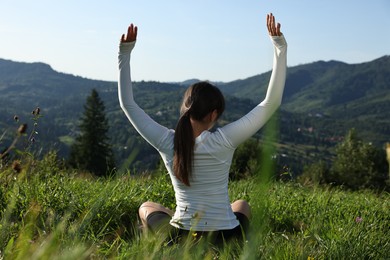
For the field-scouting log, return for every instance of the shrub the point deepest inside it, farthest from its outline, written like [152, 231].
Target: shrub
[245, 160]
[358, 164]
[314, 174]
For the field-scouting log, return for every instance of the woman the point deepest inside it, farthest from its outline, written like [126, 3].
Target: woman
[198, 160]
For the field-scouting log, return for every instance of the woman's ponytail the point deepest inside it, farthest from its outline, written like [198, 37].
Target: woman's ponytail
[184, 146]
[199, 100]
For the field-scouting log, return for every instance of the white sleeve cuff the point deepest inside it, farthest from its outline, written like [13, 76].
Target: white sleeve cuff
[279, 41]
[125, 47]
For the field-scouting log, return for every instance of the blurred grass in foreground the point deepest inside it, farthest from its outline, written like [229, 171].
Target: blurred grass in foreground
[47, 212]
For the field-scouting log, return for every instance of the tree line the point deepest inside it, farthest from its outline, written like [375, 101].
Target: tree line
[356, 164]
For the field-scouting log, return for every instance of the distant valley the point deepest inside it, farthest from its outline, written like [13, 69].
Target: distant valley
[322, 101]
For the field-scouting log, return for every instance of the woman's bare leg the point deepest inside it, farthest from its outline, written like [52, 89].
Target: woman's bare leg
[148, 208]
[242, 207]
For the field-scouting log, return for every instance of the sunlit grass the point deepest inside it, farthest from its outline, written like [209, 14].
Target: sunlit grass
[67, 215]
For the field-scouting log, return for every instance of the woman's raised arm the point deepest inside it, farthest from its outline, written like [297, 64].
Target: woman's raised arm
[240, 130]
[149, 129]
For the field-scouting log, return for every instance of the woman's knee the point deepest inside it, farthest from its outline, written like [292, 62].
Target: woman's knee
[149, 207]
[146, 208]
[154, 216]
[242, 206]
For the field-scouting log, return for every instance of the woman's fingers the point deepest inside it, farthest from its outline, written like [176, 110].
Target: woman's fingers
[135, 32]
[273, 30]
[278, 33]
[269, 23]
[131, 34]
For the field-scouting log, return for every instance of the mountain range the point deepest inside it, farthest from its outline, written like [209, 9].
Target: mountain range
[321, 102]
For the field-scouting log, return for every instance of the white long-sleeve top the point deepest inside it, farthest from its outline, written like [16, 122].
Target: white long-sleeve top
[205, 205]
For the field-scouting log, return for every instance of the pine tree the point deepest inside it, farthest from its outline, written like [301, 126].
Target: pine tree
[91, 150]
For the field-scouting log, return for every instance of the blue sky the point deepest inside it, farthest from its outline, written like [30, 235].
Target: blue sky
[219, 40]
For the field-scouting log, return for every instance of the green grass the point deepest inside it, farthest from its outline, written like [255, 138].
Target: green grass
[50, 212]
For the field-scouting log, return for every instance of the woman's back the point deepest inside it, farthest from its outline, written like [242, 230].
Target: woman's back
[205, 204]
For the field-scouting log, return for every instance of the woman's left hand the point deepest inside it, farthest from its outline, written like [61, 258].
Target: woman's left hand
[273, 29]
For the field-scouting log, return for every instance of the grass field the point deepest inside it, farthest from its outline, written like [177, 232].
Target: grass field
[49, 212]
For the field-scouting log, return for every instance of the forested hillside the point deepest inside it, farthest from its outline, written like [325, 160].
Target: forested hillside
[322, 101]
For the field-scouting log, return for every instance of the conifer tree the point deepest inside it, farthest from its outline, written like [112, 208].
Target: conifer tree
[91, 150]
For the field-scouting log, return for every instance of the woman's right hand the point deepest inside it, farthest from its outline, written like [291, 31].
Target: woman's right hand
[131, 34]
[273, 29]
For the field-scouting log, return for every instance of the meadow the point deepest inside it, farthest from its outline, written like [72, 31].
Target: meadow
[51, 212]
